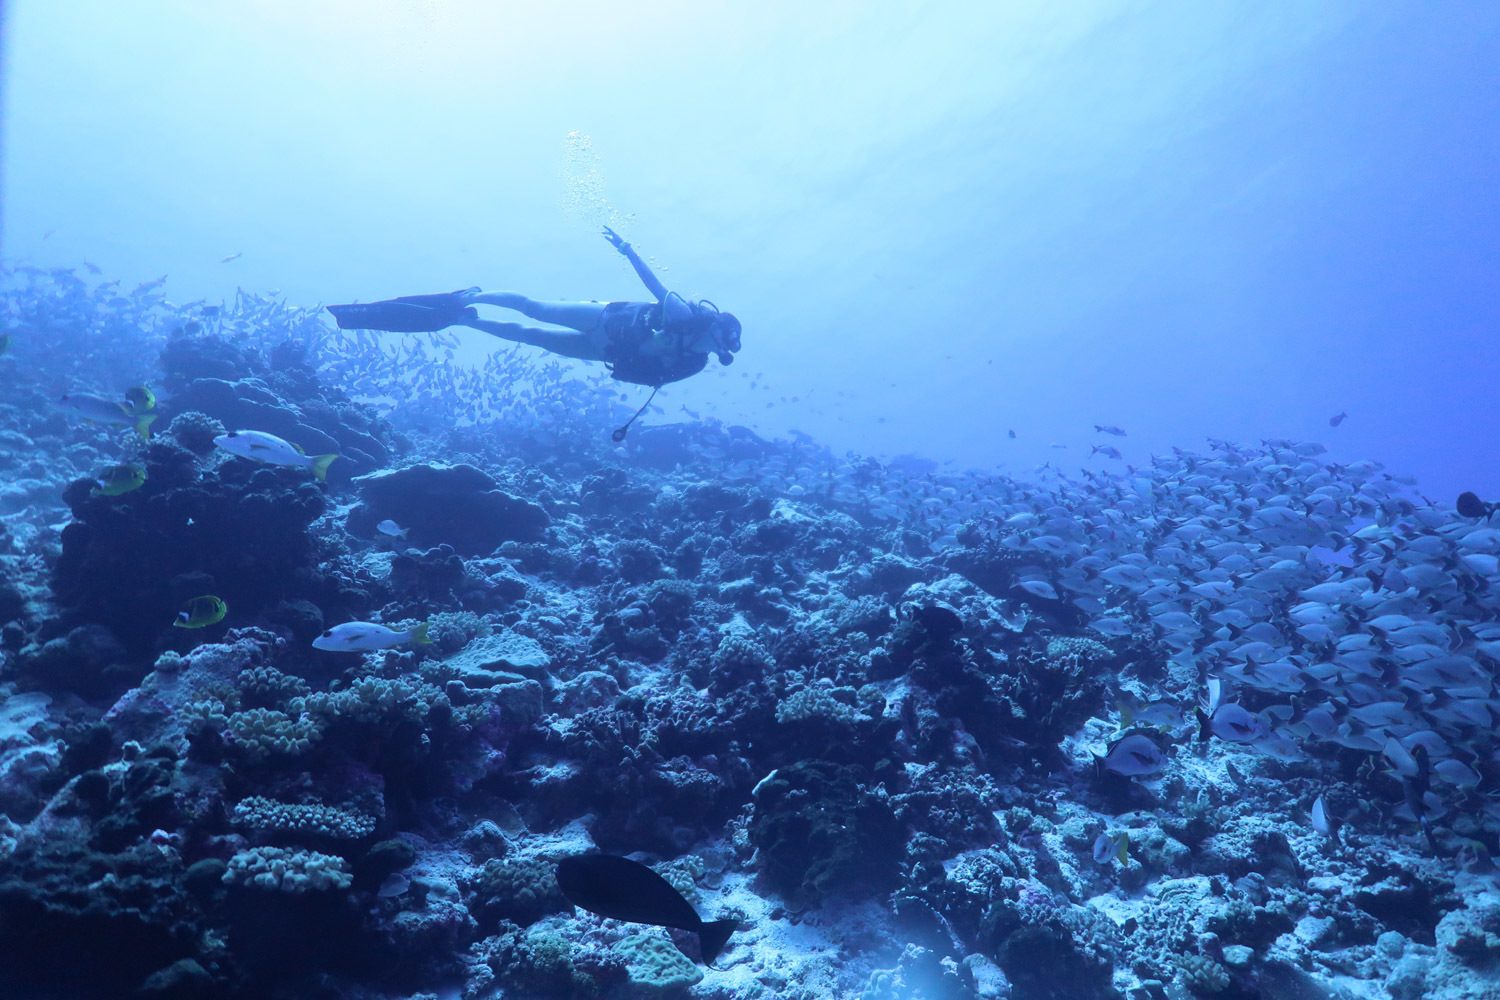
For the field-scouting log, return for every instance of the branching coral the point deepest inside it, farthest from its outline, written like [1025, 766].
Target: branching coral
[297, 819]
[273, 869]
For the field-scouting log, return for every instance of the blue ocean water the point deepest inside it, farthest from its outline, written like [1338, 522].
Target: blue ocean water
[940, 222]
[1082, 583]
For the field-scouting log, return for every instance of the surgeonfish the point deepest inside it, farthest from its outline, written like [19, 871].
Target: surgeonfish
[258, 446]
[1456, 772]
[621, 889]
[1038, 588]
[1115, 628]
[363, 637]
[1228, 721]
[1232, 723]
[1158, 714]
[201, 612]
[1401, 759]
[1133, 755]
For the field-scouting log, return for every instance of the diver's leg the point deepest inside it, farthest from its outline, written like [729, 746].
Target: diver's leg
[583, 346]
[581, 316]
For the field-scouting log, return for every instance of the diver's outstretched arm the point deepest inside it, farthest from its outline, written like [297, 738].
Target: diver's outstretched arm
[652, 283]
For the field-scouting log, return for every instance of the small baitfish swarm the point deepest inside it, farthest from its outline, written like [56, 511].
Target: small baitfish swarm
[1222, 725]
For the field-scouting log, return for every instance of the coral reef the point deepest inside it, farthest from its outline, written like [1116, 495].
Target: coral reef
[820, 830]
[921, 734]
[456, 505]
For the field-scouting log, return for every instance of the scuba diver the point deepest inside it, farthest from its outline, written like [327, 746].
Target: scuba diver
[644, 343]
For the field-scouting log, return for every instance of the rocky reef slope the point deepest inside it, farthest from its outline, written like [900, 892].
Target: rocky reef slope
[925, 735]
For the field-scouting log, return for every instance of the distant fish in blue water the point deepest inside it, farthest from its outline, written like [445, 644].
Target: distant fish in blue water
[1012, 434]
[390, 529]
[365, 637]
[201, 612]
[621, 889]
[1106, 450]
[258, 446]
[1337, 419]
[232, 257]
[1108, 429]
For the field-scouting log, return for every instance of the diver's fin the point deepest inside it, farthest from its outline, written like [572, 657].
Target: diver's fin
[407, 314]
[442, 300]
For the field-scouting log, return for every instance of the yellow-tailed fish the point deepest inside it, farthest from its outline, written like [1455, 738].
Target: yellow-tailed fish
[109, 411]
[258, 446]
[141, 399]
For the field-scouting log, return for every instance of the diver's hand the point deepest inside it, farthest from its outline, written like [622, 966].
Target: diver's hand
[616, 240]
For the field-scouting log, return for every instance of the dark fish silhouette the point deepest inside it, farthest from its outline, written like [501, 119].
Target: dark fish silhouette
[1325, 822]
[1469, 505]
[1107, 429]
[621, 889]
[1415, 787]
[1336, 419]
